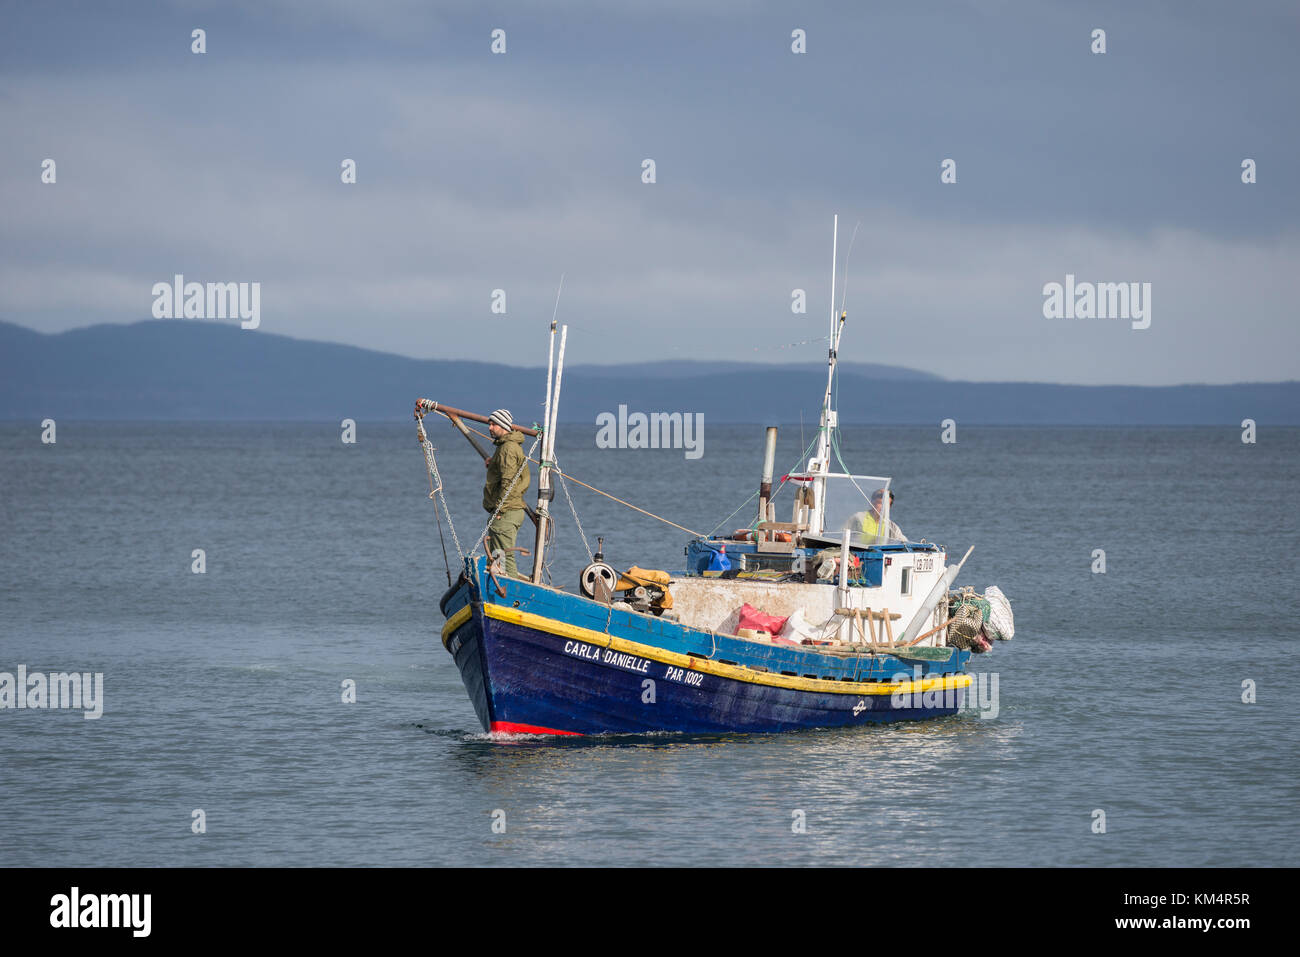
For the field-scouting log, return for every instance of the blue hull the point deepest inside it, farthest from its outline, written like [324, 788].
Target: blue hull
[542, 661]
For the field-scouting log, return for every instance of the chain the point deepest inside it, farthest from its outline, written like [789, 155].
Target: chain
[586, 546]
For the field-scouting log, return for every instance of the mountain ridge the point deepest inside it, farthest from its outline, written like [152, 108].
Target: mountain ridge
[192, 370]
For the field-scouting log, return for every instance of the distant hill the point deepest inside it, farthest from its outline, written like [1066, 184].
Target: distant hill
[692, 368]
[173, 369]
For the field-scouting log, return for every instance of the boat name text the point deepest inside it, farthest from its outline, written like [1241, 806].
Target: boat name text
[606, 656]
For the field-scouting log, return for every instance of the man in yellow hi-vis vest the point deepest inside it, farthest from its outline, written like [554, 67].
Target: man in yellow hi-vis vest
[868, 521]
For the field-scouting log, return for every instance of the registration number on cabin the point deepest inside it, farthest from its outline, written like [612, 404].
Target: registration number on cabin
[923, 564]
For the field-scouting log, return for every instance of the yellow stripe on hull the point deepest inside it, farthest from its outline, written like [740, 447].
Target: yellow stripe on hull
[736, 672]
[454, 622]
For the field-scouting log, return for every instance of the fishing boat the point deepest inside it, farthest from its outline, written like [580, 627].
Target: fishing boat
[832, 618]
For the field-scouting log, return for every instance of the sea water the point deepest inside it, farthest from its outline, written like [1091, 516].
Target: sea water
[236, 584]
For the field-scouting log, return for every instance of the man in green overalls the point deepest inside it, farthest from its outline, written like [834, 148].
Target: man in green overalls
[506, 462]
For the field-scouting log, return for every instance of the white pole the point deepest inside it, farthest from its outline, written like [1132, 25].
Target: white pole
[555, 404]
[550, 366]
[550, 357]
[817, 512]
[543, 471]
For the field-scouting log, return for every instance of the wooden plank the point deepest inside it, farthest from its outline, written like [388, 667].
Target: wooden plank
[875, 645]
[875, 615]
[919, 638]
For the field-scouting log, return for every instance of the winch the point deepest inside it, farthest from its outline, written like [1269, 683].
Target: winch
[646, 590]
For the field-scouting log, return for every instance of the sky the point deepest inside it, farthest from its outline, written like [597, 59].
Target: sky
[479, 171]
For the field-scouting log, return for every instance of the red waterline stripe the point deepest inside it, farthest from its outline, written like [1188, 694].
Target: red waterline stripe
[509, 727]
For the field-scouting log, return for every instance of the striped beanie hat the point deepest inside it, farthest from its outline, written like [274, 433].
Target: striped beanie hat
[502, 418]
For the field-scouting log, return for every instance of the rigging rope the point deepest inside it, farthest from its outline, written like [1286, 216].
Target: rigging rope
[755, 495]
[835, 444]
[729, 517]
[593, 488]
[435, 489]
[442, 541]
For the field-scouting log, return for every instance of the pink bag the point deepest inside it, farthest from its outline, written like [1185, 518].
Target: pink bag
[751, 617]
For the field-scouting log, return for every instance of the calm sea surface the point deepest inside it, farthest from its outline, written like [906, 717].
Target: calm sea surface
[222, 691]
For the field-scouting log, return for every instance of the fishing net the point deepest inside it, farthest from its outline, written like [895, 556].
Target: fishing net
[967, 613]
[999, 622]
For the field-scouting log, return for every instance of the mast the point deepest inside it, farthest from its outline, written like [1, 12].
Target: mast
[555, 403]
[544, 491]
[828, 419]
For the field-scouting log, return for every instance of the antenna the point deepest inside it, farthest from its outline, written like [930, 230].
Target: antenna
[556, 310]
[834, 261]
[847, 256]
